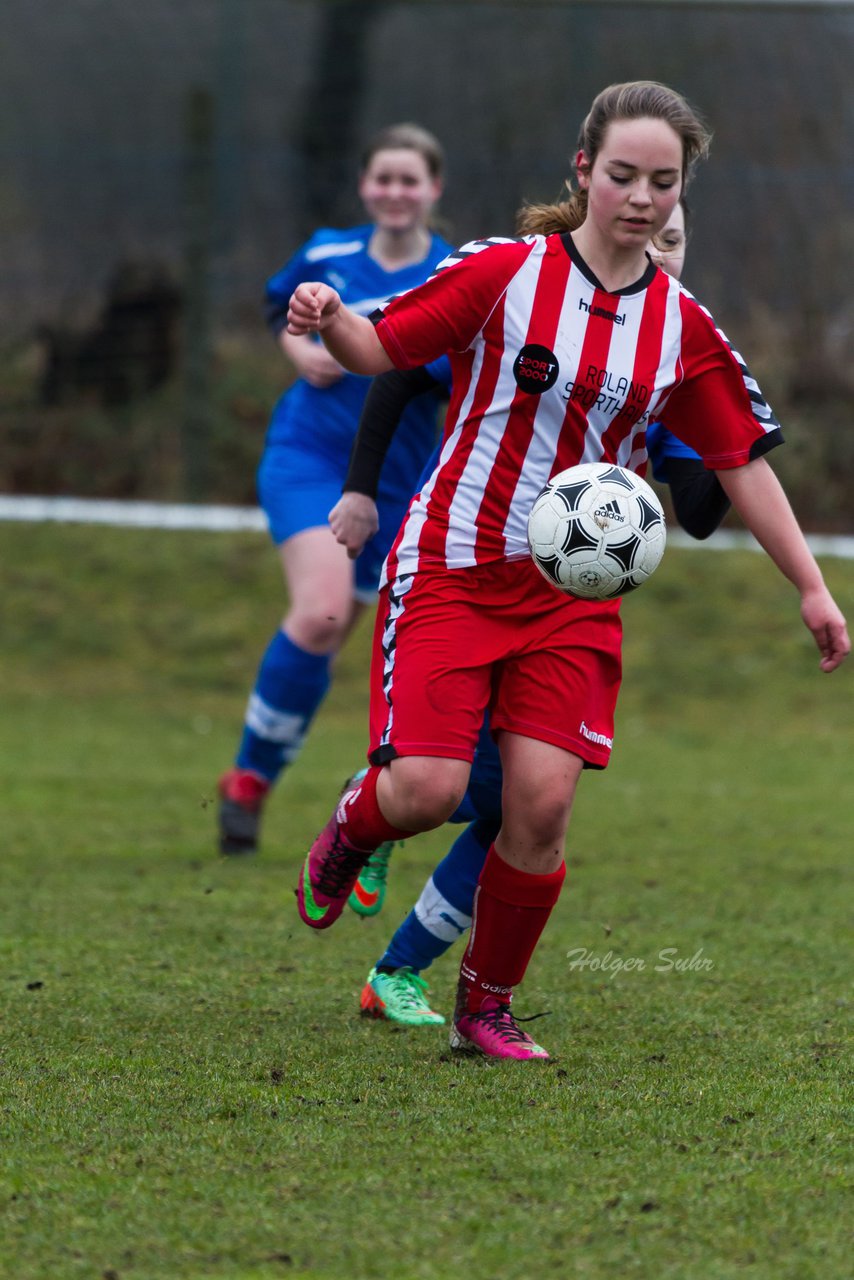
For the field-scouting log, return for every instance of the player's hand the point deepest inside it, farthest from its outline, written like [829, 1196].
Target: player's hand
[311, 308]
[316, 366]
[354, 520]
[821, 614]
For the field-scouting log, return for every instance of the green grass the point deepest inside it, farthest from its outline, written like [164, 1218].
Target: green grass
[185, 1087]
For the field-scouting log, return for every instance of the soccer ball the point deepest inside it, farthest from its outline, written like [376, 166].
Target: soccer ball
[596, 531]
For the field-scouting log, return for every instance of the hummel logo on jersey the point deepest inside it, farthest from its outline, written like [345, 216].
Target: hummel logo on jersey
[602, 312]
[608, 513]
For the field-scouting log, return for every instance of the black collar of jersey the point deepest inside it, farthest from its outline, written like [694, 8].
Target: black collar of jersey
[639, 285]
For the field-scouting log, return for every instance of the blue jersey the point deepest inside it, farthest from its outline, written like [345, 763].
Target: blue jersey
[441, 370]
[324, 420]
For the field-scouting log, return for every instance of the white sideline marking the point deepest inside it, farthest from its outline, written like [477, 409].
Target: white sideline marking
[140, 515]
[839, 545]
[223, 519]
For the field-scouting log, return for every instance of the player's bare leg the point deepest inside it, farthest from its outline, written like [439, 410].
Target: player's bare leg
[292, 680]
[519, 885]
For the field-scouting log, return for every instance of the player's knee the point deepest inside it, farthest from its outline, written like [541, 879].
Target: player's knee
[320, 629]
[544, 815]
[427, 793]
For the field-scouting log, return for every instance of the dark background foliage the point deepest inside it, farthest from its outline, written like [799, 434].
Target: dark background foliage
[160, 161]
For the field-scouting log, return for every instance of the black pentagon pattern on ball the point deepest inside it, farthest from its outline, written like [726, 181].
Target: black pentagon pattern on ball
[570, 494]
[649, 517]
[623, 588]
[623, 552]
[616, 475]
[578, 539]
[551, 568]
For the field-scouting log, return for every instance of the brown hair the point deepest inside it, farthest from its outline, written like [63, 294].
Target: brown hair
[406, 137]
[636, 100]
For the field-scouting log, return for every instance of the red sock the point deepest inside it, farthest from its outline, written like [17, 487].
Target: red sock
[511, 909]
[359, 817]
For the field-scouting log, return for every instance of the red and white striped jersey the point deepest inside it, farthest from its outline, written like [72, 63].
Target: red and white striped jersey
[550, 369]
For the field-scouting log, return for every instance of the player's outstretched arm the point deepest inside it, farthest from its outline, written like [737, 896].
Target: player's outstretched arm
[316, 308]
[758, 497]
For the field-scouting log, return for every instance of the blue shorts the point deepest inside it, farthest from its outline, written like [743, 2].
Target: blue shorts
[297, 490]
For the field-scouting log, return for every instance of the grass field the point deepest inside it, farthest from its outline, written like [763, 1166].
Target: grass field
[186, 1089]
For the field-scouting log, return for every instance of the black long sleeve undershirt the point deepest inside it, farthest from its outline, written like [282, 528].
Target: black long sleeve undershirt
[388, 396]
[699, 501]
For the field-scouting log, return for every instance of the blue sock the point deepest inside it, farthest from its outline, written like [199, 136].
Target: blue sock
[289, 688]
[443, 912]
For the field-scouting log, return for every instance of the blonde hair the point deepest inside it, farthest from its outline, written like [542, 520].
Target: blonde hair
[406, 137]
[635, 100]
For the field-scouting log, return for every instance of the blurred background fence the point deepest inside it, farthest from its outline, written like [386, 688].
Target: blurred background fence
[159, 161]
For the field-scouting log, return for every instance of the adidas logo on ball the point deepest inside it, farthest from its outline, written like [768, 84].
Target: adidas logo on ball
[608, 511]
[596, 531]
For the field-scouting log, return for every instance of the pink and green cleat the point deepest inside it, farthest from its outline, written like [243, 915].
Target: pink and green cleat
[329, 872]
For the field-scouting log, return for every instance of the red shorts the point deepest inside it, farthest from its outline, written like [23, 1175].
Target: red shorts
[450, 643]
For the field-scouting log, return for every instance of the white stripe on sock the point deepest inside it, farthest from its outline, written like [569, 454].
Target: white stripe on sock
[438, 917]
[275, 726]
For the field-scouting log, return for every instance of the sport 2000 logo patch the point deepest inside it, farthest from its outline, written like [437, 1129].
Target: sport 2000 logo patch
[535, 369]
